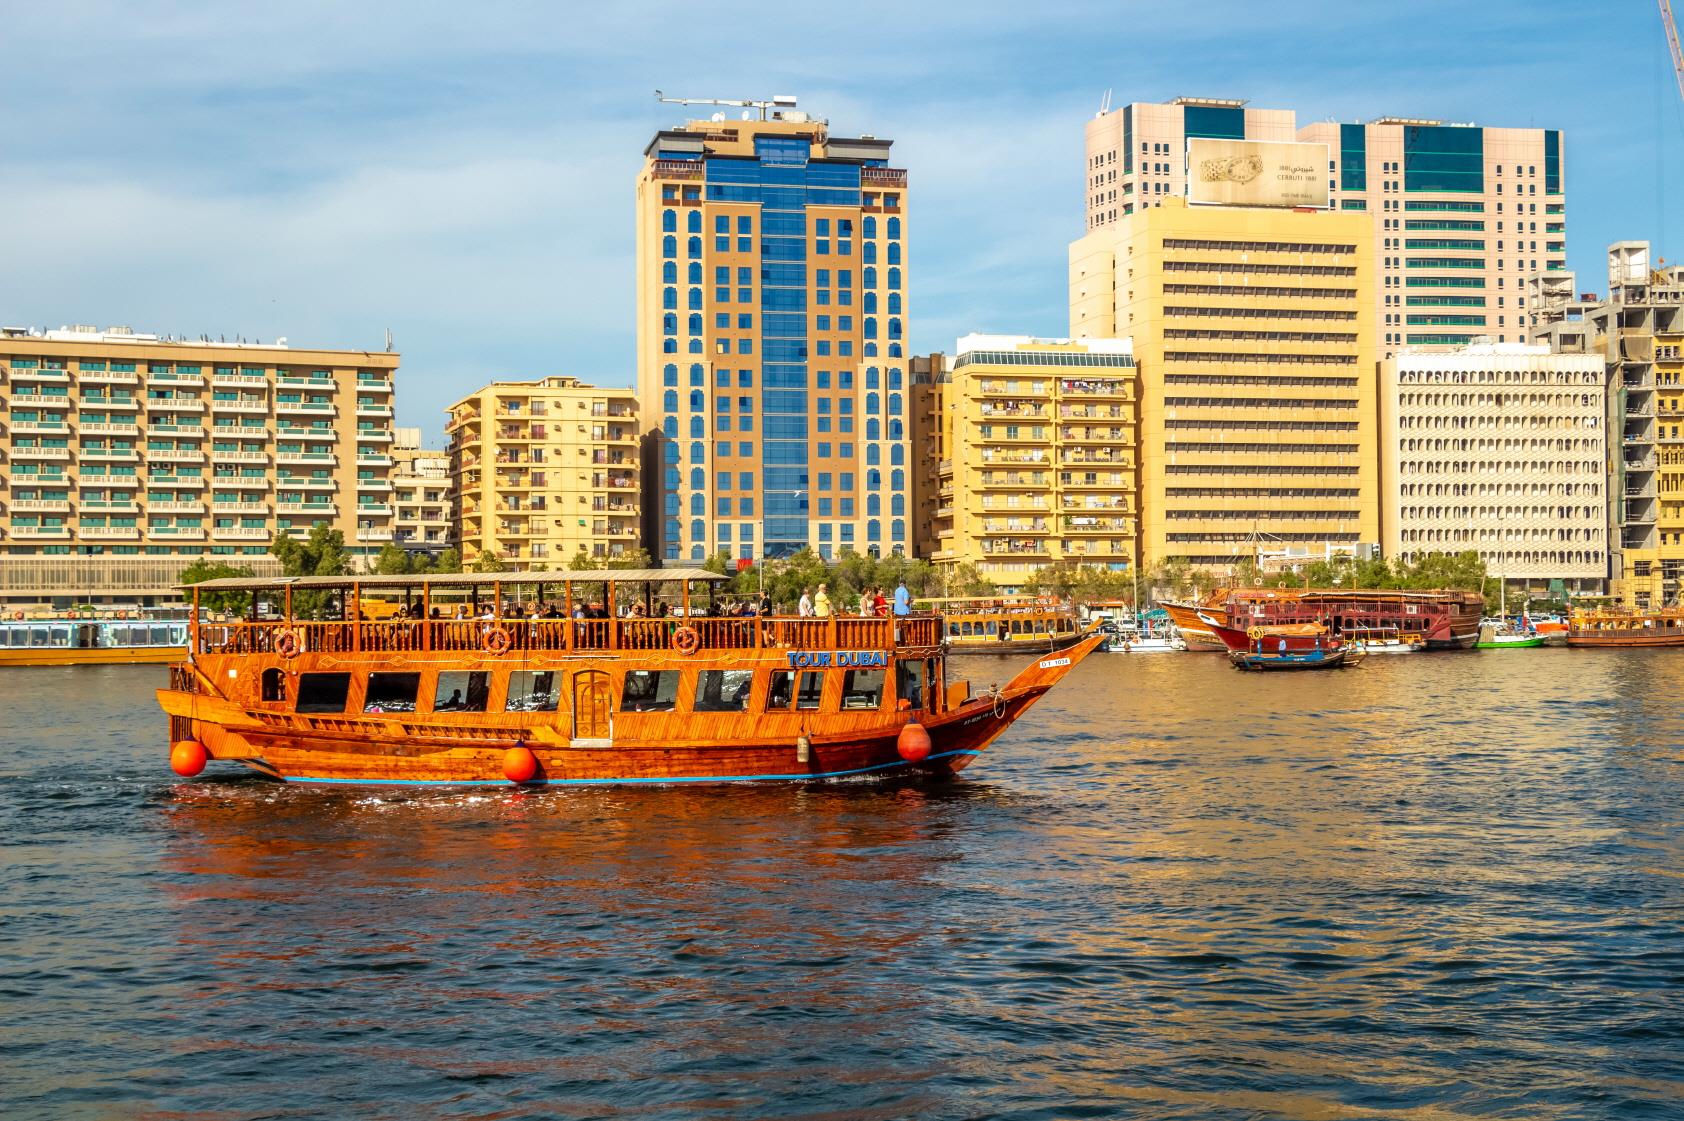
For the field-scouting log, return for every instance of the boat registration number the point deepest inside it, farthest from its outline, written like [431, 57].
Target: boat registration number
[1054, 663]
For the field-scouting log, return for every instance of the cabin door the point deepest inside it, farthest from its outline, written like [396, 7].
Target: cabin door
[591, 698]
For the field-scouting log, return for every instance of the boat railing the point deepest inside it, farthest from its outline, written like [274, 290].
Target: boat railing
[393, 636]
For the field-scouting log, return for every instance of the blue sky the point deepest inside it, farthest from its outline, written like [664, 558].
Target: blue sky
[462, 173]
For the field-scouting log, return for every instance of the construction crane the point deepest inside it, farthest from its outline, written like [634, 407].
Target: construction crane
[1671, 27]
[778, 103]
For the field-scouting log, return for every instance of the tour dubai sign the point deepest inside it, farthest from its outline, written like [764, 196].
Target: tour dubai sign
[1256, 173]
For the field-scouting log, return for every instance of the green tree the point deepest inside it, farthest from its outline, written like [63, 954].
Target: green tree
[448, 561]
[233, 603]
[394, 561]
[489, 561]
[964, 579]
[321, 554]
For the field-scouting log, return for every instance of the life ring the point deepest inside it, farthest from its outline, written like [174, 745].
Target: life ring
[1255, 634]
[498, 640]
[686, 640]
[287, 644]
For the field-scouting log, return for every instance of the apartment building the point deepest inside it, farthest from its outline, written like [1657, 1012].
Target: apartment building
[1462, 216]
[1253, 333]
[1499, 448]
[1041, 456]
[1137, 153]
[126, 456]
[543, 470]
[930, 453]
[771, 325]
[421, 501]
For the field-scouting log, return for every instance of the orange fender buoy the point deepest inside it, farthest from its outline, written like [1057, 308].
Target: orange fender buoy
[520, 765]
[913, 743]
[188, 758]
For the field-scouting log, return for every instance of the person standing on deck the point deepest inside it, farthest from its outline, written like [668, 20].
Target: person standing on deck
[805, 607]
[821, 603]
[903, 599]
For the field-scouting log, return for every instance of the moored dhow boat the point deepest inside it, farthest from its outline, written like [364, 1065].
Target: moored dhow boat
[538, 678]
[92, 641]
[1007, 624]
[1626, 628]
[1439, 620]
[1288, 646]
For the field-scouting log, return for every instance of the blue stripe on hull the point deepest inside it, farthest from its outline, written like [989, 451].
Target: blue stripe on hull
[623, 781]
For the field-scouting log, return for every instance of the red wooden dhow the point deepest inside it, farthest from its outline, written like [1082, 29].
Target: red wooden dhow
[456, 688]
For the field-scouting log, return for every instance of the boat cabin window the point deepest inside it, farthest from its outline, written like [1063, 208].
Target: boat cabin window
[808, 697]
[862, 688]
[274, 685]
[910, 677]
[723, 690]
[391, 692]
[323, 692]
[532, 691]
[462, 691]
[650, 691]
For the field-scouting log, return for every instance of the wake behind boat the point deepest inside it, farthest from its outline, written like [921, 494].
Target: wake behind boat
[535, 678]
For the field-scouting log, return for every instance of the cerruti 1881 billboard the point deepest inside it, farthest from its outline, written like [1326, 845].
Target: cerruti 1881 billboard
[1256, 173]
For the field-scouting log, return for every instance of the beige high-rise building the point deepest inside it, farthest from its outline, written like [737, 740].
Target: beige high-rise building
[1041, 434]
[771, 331]
[1499, 448]
[1462, 215]
[127, 456]
[1253, 331]
[1137, 153]
[544, 470]
[421, 502]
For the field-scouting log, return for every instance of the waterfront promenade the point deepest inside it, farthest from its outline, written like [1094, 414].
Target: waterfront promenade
[1442, 887]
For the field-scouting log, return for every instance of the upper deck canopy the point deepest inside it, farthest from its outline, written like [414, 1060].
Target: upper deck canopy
[469, 579]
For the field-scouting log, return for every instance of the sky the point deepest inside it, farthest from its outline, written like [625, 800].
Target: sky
[462, 174]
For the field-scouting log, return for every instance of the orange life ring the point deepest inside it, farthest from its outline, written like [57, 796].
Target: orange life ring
[686, 640]
[287, 644]
[498, 640]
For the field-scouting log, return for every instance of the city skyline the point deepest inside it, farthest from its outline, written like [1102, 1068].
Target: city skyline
[451, 180]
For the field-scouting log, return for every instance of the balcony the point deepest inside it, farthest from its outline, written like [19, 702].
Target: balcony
[989, 455]
[115, 506]
[234, 431]
[246, 406]
[174, 482]
[308, 509]
[19, 374]
[108, 533]
[374, 461]
[239, 381]
[173, 455]
[104, 428]
[107, 377]
[113, 404]
[375, 435]
[1029, 548]
[109, 455]
[681, 169]
[374, 510]
[380, 485]
[306, 484]
[35, 455]
[1095, 387]
[176, 532]
[1098, 525]
[308, 459]
[41, 506]
[170, 377]
[305, 408]
[40, 401]
[239, 457]
[374, 535]
[883, 176]
[367, 410]
[239, 507]
[380, 386]
[1011, 525]
[993, 479]
[177, 507]
[41, 532]
[990, 409]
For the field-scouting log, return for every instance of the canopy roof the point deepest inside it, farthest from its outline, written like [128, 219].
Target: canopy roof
[468, 579]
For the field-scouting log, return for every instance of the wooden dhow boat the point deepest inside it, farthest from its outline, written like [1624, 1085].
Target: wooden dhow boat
[1626, 628]
[466, 684]
[1007, 624]
[1287, 646]
[1438, 620]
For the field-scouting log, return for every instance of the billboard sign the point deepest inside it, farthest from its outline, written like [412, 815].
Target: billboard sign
[1256, 173]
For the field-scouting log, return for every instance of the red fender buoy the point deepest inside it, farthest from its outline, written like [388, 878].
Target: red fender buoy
[188, 757]
[913, 743]
[520, 765]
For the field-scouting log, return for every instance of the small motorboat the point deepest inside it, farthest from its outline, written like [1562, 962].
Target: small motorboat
[1289, 646]
[1494, 635]
[1385, 640]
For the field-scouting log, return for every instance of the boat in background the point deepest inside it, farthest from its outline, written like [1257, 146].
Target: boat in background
[1194, 632]
[1384, 640]
[1007, 624]
[1287, 646]
[1499, 634]
[69, 641]
[1626, 628]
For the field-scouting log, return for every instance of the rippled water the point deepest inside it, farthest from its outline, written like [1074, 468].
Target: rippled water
[1437, 887]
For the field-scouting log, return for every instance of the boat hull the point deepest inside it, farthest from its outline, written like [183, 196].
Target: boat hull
[1528, 643]
[1317, 659]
